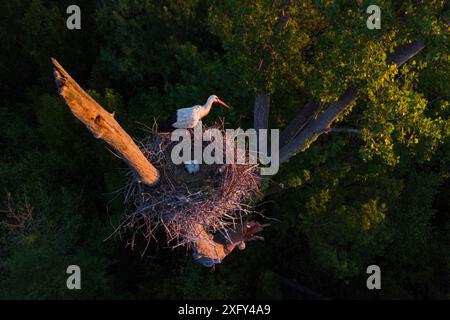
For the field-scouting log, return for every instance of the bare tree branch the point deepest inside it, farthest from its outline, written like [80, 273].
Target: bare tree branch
[324, 120]
[342, 130]
[210, 250]
[261, 111]
[317, 125]
[103, 125]
[403, 53]
[310, 110]
[327, 117]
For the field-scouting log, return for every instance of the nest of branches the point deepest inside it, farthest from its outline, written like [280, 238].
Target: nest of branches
[216, 197]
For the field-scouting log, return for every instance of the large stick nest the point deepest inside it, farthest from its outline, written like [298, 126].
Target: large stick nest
[216, 197]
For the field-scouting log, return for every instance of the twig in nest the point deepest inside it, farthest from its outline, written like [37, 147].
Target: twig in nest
[214, 198]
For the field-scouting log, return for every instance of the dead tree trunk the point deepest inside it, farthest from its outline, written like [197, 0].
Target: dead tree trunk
[208, 251]
[261, 111]
[310, 124]
[306, 126]
[310, 110]
[103, 125]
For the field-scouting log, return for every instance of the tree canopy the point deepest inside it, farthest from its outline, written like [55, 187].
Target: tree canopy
[349, 200]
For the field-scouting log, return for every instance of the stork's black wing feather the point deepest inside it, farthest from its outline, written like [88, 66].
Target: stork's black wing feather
[167, 124]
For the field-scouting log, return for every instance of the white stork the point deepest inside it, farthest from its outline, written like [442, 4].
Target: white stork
[187, 118]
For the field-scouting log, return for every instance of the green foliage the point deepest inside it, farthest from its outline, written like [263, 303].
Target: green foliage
[350, 200]
[57, 239]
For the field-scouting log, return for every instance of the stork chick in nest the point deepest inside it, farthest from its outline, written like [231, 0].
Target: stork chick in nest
[192, 166]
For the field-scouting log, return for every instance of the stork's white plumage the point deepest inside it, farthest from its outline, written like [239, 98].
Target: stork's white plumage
[187, 118]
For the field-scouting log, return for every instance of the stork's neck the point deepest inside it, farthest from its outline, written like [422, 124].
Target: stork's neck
[207, 106]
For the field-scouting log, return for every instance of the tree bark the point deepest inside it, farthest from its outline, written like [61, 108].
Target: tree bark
[405, 52]
[261, 111]
[103, 125]
[309, 111]
[210, 250]
[305, 127]
[207, 250]
[316, 126]
[323, 121]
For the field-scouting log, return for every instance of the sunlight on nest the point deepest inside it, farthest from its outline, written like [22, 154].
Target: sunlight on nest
[216, 197]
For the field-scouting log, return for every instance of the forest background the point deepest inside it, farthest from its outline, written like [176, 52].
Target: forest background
[349, 200]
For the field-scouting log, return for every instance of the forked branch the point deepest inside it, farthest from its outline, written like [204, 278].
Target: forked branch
[103, 125]
[316, 126]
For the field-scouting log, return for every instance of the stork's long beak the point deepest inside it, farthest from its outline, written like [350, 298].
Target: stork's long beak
[223, 103]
